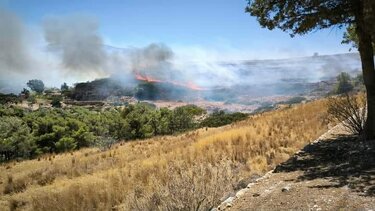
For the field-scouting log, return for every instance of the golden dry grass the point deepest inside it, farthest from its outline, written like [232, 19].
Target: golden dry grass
[190, 171]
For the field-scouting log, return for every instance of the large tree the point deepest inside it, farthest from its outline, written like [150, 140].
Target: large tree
[304, 16]
[36, 85]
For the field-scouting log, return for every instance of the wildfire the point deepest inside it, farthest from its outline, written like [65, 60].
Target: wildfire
[189, 85]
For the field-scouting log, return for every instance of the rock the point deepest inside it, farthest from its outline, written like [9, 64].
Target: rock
[227, 195]
[241, 193]
[250, 185]
[286, 188]
[227, 203]
[256, 194]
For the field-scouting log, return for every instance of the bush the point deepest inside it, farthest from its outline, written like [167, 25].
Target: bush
[9, 98]
[56, 102]
[66, 144]
[344, 84]
[15, 139]
[220, 118]
[350, 110]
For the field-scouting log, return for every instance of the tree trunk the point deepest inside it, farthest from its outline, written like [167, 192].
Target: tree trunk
[367, 58]
[369, 13]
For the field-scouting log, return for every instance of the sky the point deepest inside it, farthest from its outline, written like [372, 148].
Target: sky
[216, 28]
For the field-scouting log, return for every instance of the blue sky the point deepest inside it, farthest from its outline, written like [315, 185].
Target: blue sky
[219, 26]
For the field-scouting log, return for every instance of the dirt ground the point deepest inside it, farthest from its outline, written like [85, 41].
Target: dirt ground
[337, 172]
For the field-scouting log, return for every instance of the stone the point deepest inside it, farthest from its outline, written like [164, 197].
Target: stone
[241, 193]
[227, 203]
[286, 188]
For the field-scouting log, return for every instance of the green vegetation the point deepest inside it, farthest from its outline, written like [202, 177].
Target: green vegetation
[56, 102]
[344, 84]
[220, 118]
[36, 85]
[8, 98]
[26, 134]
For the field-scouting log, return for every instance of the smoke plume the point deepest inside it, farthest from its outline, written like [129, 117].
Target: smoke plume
[14, 55]
[154, 60]
[76, 40]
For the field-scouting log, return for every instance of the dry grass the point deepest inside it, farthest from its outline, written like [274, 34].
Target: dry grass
[192, 171]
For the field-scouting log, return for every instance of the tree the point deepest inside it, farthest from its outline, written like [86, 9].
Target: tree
[344, 84]
[304, 16]
[36, 85]
[15, 139]
[64, 87]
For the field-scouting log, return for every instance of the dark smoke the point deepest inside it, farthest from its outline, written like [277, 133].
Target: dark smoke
[76, 40]
[154, 60]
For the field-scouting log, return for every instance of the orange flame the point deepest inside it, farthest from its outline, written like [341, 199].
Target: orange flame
[189, 85]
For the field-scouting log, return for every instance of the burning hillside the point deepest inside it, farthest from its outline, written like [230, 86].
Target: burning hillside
[149, 79]
[153, 78]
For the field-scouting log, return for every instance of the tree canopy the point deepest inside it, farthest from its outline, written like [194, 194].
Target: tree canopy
[36, 85]
[301, 17]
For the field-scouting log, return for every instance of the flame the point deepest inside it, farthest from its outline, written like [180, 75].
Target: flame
[189, 85]
[147, 78]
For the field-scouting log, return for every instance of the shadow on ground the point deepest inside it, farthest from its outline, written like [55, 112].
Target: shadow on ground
[344, 161]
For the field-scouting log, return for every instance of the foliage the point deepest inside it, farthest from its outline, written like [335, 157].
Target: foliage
[31, 99]
[36, 85]
[8, 98]
[54, 130]
[350, 37]
[220, 118]
[350, 110]
[56, 102]
[358, 80]
[301, 17]
[15, 139]
[344, 84]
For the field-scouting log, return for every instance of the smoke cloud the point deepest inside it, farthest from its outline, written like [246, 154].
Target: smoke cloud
[154, 60]
[71, 49]
[14, 56]
[77, 41]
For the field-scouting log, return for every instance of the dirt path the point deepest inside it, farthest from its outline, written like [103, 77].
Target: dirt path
[336, 172]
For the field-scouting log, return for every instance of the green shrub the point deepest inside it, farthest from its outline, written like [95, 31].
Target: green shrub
[344, 84]
[66, 144]
[220, 118]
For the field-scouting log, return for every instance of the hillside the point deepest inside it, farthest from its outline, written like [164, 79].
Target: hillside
[174, 172]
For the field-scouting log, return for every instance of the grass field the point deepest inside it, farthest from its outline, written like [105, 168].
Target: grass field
[191, 171]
